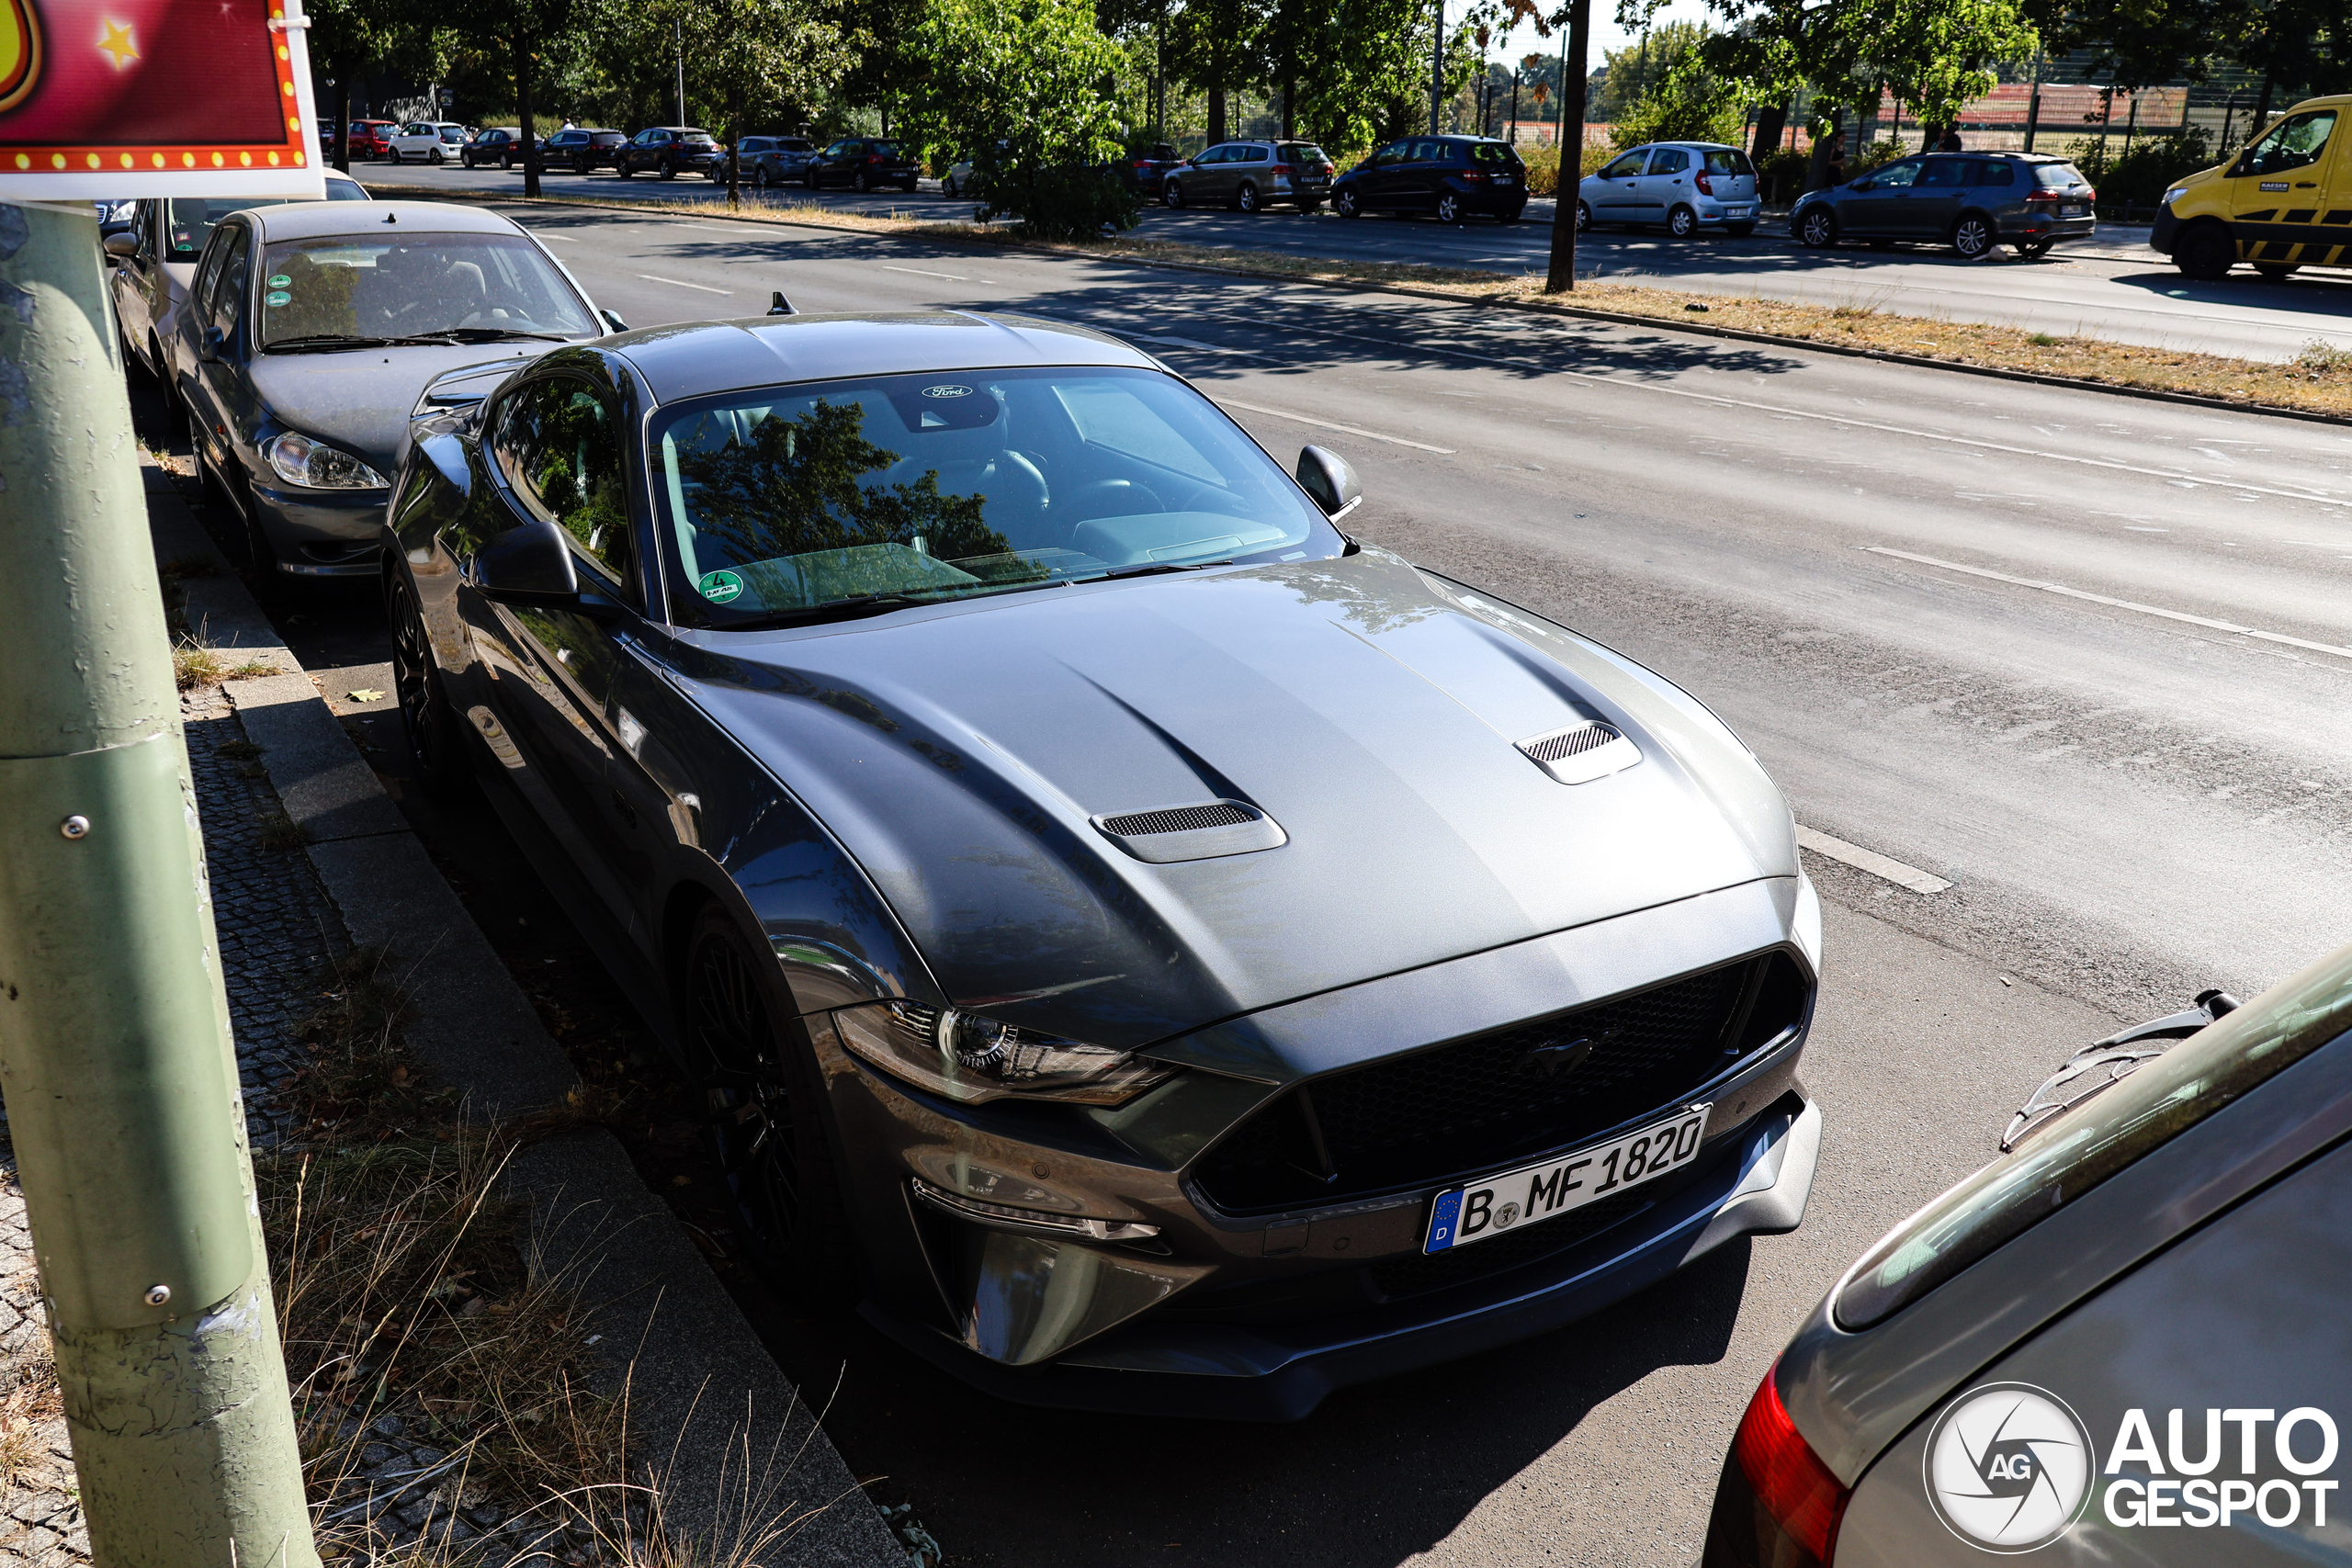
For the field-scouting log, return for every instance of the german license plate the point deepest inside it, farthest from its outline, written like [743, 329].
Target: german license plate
[2073, 209]
[1740, 212]
[1534, 1193]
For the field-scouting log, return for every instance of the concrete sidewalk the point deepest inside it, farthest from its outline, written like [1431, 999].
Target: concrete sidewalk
[705, 1397]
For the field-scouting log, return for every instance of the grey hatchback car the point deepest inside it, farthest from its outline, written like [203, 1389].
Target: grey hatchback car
[1250, 176]
[1970, 201]
[2131, 1322]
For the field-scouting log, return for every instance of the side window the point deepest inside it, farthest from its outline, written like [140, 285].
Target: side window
[1897, 176]
[1429, 151]
[1626, 167]
[2000, 174]
[1942, 172]
[559, 444]
[226, 302]
[1669, 161]
[2298, 140]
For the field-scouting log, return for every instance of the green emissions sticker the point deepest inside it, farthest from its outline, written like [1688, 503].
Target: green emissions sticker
[277, 297]
[281, 281]
[719, 587]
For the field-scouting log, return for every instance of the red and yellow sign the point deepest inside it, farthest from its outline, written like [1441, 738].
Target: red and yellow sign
[114, 98]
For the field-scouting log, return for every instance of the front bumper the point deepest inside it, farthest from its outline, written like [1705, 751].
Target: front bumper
[1756, 1186]
[2166, 232]
[323, 533]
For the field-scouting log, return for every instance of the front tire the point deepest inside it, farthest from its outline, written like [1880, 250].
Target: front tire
[761, 1096]
[1584, 219]
[624, 169]
[2206, 252]
[1973, 237]
[1449, 209]
[1172, 196]
[1817, 228]
[1682, 223]
[1343, 202]
[435, 735]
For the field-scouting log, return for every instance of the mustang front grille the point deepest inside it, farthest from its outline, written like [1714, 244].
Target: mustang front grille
[1428, 1116]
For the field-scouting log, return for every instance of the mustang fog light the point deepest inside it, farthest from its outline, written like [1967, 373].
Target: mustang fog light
[970, 1058]
[302, 461]
[1005, 1214]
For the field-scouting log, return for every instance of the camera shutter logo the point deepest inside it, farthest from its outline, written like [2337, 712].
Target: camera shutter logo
[2008, 1467]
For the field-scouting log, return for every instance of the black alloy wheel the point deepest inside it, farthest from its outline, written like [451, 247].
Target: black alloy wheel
[2206, 252]
[624, 168]
[669, 169]
[1972, 237]
[438, 157]
[395, 154]
[466, 159]
[864, 185]
[1449, 209]
[760, 176]
[1682, 223]
[1818, 227]
[1246, 198]
[580, 165]
[1584, 217]
[1173, 193]
[1343, 202]
[435, 737]
[759, 1091]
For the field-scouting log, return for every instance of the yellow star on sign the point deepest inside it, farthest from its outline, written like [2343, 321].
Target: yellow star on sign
[119, 43]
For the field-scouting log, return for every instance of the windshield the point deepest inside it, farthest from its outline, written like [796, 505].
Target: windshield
[2077, 1150]
[946, 485]
[349, 287]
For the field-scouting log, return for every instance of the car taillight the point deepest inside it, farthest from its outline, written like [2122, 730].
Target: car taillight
[1796, 1495]
[874, 158]
[1284, 169]
[1475, 177]
[1705, 182]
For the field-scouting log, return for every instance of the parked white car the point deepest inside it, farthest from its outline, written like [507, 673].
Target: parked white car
[1683, 185]
[427, 141]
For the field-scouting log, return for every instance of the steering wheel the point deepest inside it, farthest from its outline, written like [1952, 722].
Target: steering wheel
[1111, 498]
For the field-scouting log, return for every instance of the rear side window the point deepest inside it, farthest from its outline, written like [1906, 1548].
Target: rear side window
[1728, 161]
[1995, 174]
[1493, 153]
[886, 149]
[1305, 153]
[2073, 1153]
[2058, 176]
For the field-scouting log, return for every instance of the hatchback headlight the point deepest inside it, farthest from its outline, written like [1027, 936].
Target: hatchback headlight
[302, 461]
[969, 1058]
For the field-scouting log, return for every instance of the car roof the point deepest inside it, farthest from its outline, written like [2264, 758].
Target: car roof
[690, 360]
[311, 220]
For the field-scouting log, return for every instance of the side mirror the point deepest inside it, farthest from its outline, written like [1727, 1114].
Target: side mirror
[1325, 475]
[210, 346]
[613, 320]
[122, 246]
[1865, 185]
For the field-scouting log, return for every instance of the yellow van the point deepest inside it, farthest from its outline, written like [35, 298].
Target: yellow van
[2284, 202]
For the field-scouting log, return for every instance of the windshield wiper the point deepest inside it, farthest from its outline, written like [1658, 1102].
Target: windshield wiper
[1154, 569]
[323, 343]
[495, 334]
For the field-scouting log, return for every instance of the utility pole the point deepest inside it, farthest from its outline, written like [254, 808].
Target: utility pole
[1562, 276]
[115, 1051]
[1437, 64]
[678, 31]
[2033, 100]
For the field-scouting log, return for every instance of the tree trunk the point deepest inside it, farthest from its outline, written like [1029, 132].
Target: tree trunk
[1217, 113]
[523, 74]
[734, 148]
[1771, 123]
[1290, 105]
[343, 120]
[1562, 278]
[1816, 174]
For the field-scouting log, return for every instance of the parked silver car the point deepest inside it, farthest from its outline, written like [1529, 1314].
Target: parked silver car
[774, 160]
[153, 262]
[1251, 176]
[307, 335]
[1683, 186]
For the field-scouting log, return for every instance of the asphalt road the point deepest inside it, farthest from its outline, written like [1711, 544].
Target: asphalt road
[2114, 288]
[2087, 657]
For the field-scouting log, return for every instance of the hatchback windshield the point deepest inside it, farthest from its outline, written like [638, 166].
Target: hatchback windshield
[1727, 161]
[944, 485]
[349, 288]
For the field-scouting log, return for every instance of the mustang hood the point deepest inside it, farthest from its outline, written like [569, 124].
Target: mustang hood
[963, 753]
[359, 398]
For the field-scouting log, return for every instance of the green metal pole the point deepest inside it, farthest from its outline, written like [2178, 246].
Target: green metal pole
[115, 1054]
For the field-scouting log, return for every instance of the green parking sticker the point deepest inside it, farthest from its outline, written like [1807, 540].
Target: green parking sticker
[719, 587]
[280, 281]
[276, 296]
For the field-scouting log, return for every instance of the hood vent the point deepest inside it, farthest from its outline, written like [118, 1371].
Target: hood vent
[1204, 830]
[1581, 753]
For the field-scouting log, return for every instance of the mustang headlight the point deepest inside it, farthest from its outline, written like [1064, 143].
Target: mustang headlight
[302, 461]
[970, 1058]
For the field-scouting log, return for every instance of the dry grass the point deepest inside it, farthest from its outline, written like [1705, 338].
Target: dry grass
[2320, 381]
[195, 663]
[276, 831]
[29, 1400]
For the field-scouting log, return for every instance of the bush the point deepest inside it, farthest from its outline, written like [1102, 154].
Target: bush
[2141, 177]
[1780, 174]
[1543, 166]
[1057, 204]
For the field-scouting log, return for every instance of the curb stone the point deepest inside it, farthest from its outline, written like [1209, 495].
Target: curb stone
[1410, 291]
[705, 1397]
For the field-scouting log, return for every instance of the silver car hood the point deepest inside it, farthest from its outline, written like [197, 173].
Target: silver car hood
[360, 399]
[961, 753]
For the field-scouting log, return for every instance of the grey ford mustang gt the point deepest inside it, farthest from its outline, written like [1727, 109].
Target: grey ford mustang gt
[1148, 950]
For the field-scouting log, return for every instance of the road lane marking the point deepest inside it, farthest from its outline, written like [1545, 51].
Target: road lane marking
[1779, 411]
[678, 283]
[2206, 620]
[1877, 864]
[1327, 425]
[950, 277]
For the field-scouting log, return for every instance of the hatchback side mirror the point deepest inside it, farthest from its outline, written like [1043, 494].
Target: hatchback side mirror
[1325, 475]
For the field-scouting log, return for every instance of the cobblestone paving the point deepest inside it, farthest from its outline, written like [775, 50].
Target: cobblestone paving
[276, 926]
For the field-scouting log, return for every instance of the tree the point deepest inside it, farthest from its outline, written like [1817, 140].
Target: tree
[1017, 85]
[1215, 45]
